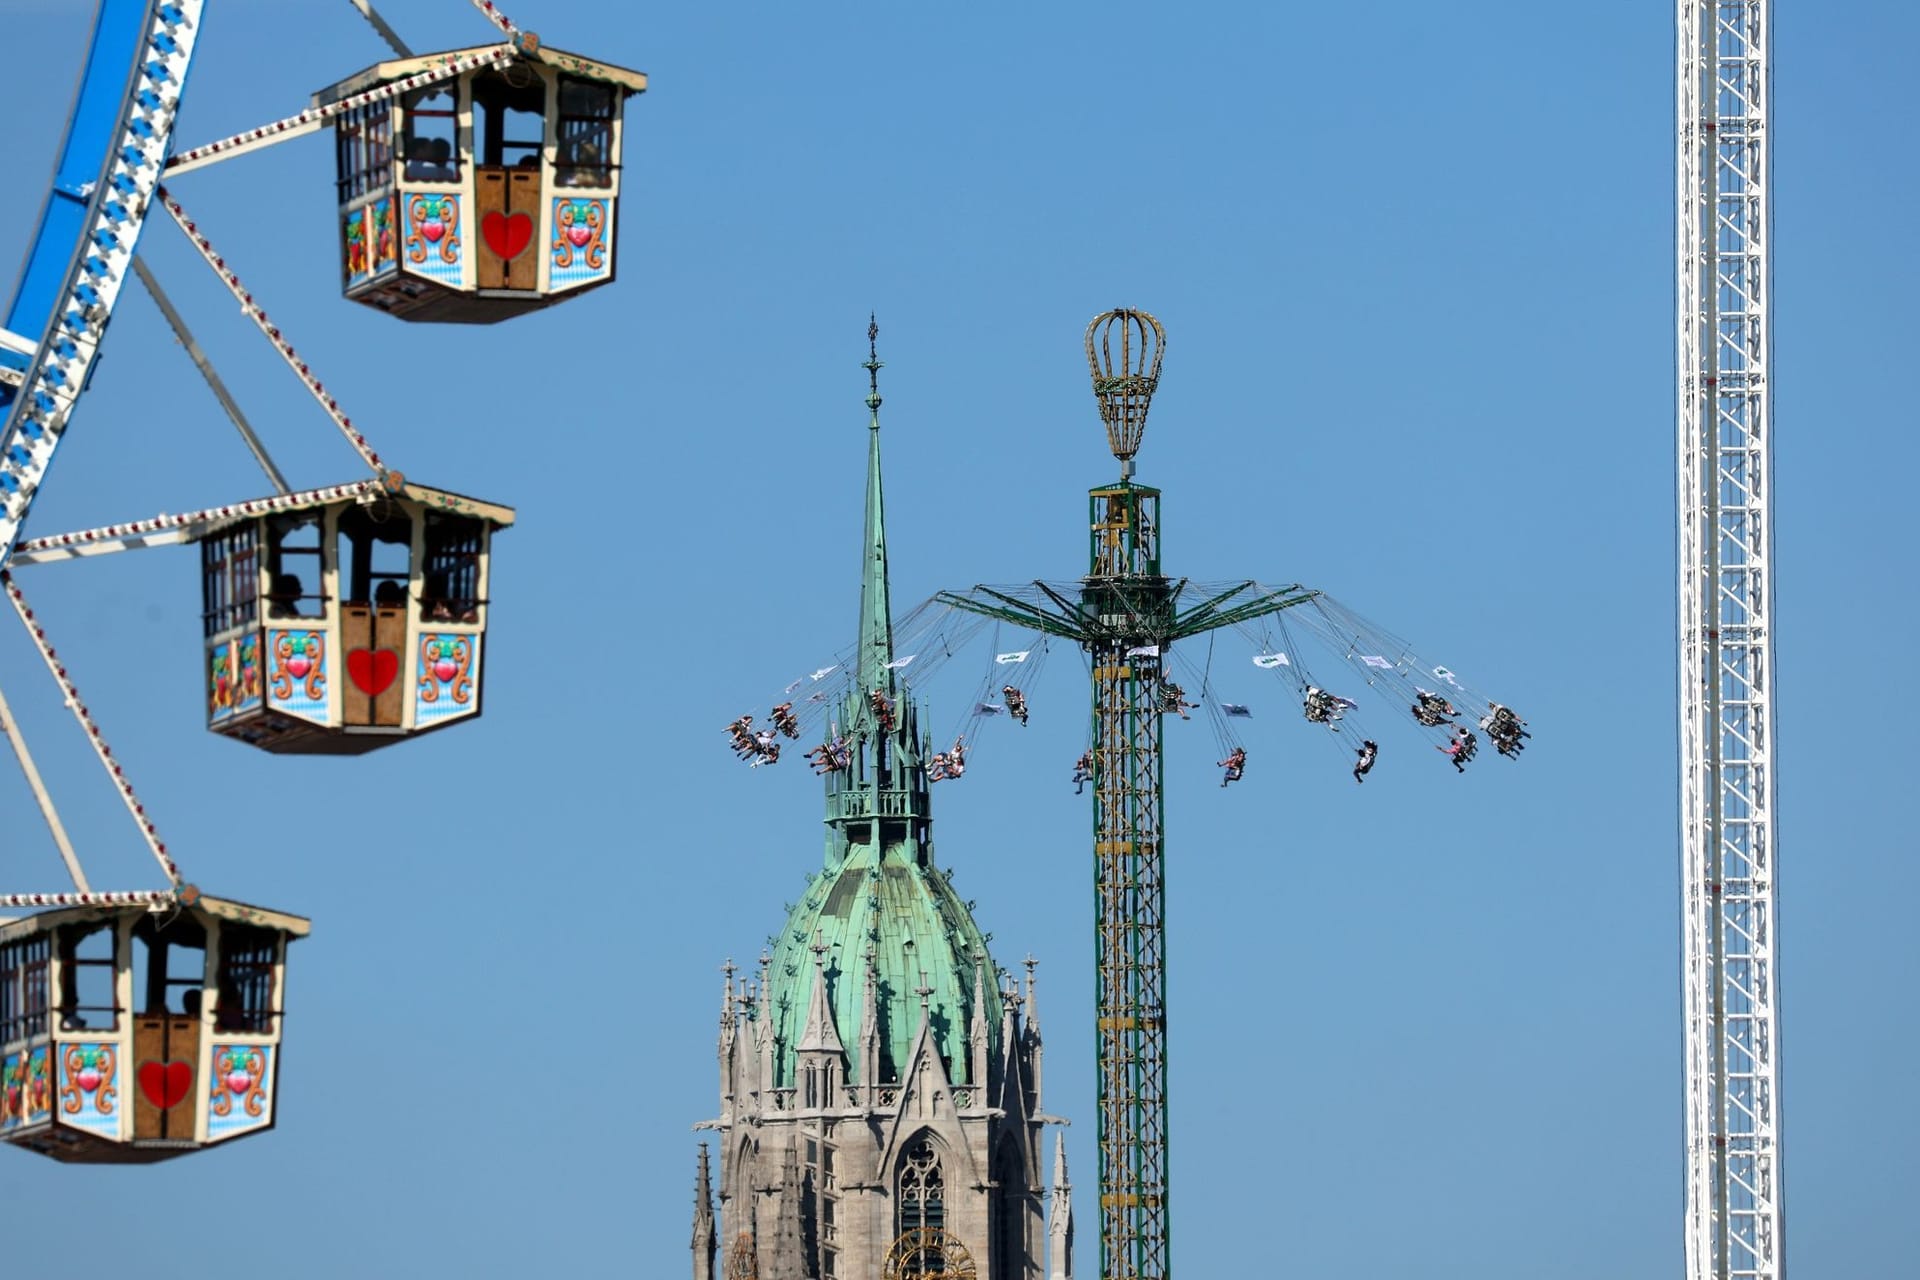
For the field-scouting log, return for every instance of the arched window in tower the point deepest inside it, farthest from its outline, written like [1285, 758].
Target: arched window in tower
[921, 1199]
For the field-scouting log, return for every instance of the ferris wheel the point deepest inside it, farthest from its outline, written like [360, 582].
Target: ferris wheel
[473, 185]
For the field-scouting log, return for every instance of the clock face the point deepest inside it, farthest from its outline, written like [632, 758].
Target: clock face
[928, 1251]
[740, 1259]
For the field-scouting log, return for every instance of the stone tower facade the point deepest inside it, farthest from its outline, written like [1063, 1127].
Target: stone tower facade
[879, 1077]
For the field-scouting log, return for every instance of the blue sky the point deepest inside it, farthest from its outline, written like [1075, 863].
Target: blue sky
[1415, 267]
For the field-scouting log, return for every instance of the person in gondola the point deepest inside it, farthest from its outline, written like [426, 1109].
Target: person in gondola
[283, 601]
[1368, 751]
[1235, 764]
[1016, 703]
[1174, 698]
[1082, 772]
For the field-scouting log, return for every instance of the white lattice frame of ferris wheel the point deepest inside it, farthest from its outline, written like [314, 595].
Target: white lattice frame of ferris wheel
[1727, 791]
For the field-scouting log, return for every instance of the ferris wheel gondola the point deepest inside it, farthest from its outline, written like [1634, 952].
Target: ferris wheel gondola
[337, 619]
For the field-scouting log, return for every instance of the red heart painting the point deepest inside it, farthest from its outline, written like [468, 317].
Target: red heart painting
[165, 1083]
[372, 670]
[507, 234]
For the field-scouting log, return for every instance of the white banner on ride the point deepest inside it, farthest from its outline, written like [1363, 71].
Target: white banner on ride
[1268, 661]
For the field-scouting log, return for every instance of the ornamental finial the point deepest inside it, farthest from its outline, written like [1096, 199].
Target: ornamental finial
[873, 366]
[1125, 388]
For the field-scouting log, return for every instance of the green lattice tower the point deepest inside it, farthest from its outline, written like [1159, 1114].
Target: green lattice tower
[1132, 607]
[1126, 613]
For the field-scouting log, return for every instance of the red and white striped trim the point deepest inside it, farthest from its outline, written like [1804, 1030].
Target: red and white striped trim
[122, 537]
[312, 118]
[137, 898]
[496, 17]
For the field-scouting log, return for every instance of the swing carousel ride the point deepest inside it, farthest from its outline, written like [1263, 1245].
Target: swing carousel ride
[1133, 626]
[473, 185]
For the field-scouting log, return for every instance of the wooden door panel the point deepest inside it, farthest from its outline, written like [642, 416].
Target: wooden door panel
[356, 637]
[390, 636]
[523, 215]
[166, 1076]
[149, 1045]
[506, 212]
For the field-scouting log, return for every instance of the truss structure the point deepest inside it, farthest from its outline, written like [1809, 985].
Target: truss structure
[1127, 615]
[1727, 776]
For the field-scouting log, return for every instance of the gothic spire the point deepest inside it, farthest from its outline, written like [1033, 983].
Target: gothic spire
[1060, 1217]
[820, 1036]
[1030, 1038]
[977, 1032]
[885, 777]
[704, 1241]
[876, 612]
[787, 1258]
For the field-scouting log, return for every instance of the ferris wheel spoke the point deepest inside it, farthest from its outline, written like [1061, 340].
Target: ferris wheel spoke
[169, 530]
[92, 730]
[42, 797]
[214, 382]
[379, 24]
[313, 118]
[135, 898]
[496, 17]
[273, 335]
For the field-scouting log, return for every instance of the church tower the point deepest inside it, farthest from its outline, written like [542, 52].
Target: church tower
[880, 1113]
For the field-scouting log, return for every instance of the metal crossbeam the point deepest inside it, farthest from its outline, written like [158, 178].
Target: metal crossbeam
[1727, 784]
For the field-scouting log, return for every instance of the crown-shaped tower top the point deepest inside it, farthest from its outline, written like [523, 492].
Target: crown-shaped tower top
[1124, 349]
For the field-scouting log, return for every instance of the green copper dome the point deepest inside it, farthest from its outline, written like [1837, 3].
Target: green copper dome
[880, 903]
[880, 906]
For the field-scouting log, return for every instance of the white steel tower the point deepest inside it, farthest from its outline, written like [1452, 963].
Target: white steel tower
[1727, 776]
